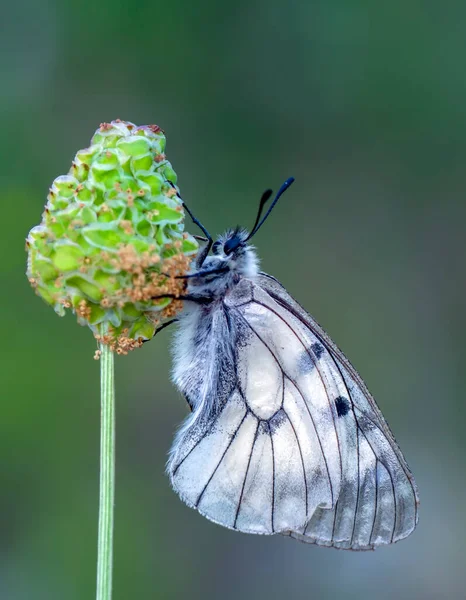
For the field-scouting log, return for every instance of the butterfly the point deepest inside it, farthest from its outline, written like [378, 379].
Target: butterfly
[283, 436]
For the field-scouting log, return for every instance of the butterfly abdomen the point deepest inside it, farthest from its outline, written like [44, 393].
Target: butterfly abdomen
[204, 364]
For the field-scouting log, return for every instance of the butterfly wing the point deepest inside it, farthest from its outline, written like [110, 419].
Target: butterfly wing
[298, 447]
[378, 499]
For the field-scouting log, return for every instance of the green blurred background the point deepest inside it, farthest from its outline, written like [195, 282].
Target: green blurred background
[365, 104]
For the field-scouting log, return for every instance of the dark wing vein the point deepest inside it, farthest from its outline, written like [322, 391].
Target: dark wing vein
[207, 431]
[283, 389]
[220, 461]
[317, 435]
[376, 495]
[246, 475]
[334, 521]
[391, 446]
[302, 459]
[359, 480]
[273, 478]
[389, 474]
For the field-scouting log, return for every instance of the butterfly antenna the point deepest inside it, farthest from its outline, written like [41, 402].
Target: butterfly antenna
[265, 196]
[193, 218]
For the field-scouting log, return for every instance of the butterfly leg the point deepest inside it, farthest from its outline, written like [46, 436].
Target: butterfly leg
[217, 271]
[204, 252]
[205, 298]
[165, 325]
[162, 327]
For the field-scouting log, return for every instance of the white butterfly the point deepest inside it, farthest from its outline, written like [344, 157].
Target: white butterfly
[283, 436]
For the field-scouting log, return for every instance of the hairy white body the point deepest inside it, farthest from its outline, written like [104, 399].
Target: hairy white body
[204, 347]
[283, 436]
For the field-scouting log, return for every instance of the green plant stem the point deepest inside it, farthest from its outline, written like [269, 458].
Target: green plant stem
[107, 472]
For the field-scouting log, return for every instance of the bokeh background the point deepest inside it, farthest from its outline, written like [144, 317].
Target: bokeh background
[365, 104]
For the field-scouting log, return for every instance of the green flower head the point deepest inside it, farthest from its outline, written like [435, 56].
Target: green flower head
[111, 241]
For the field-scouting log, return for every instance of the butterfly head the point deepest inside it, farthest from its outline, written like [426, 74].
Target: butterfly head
[231, 244]
[232, 250]
[232, 257]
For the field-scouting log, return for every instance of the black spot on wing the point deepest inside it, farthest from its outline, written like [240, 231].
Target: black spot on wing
[277, 420]
[318, 349]
[342, 405]
[305, 362]
[264, 427]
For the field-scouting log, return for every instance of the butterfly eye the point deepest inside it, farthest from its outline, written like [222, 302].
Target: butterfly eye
[232, 244]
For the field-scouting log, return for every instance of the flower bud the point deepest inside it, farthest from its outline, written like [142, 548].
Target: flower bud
[111, 240]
